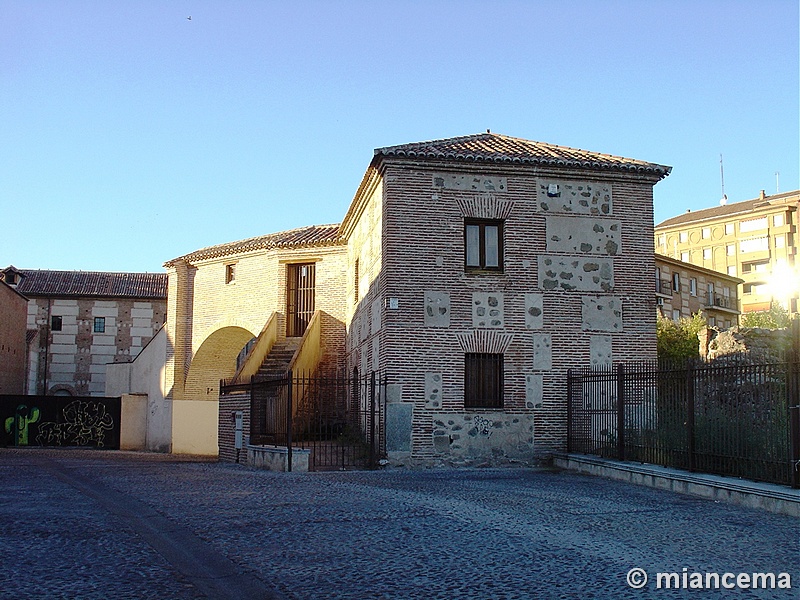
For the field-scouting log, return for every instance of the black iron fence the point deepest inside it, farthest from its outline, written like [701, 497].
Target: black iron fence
[340, 419]
[729, 418]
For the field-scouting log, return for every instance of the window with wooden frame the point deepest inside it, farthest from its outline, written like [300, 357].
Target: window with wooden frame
[483, 245]
[230, 273]
[483, 380]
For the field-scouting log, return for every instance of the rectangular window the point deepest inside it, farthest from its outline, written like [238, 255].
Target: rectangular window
[732, 270]
[483, 245]
[706, 253]
[676, 283]
[683, 236]
[730, 249]
[780, 241]
[710, 293]
[752, 224]
[706, 232]
[729, 229]
[778, 220]
[55, 323]
[693, 286]
[676, 314]
[99, 324]
[483, 380]
[230, 273]
[754, 244]
[685, 256]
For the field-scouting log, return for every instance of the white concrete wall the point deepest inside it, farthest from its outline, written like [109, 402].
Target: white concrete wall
[145, 375]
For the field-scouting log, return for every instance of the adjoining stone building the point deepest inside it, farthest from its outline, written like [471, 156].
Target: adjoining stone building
[13, 316]
[684, 289]
[473, 271]
[79, 321]
[755, 240]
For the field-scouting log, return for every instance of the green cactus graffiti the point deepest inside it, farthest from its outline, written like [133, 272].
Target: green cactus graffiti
[18, 424]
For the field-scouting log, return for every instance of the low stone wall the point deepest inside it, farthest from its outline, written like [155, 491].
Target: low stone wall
[758, 343]
[276, 458]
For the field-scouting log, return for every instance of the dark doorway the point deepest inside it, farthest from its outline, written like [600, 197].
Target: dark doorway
[299, 298]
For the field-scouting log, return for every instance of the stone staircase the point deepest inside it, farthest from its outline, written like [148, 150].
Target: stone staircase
[277, 361]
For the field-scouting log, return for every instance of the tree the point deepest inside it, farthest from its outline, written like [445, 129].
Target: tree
[677, 340]
[776, 317]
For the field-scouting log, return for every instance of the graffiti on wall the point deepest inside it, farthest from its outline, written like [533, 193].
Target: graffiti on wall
[85, 424]
[60, 421]
[18, 425]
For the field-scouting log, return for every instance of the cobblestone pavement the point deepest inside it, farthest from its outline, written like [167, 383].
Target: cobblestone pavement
[99, 524]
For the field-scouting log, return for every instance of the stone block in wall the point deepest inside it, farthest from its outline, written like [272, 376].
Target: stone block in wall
[376, 353]
[398, 426]
[437, 309]
[469, 183]
[433, 390]
[487, 309]
[542, 351]
[600, 354]
[601, 313]
[534, 311]
[483, 436]
[376, 310]
[534, 390]
[583, 235]
[576, 197]
[576, 273]
[394, 392]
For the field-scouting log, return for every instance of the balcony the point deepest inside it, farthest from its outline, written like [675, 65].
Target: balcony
[723, 303]
[664, 287]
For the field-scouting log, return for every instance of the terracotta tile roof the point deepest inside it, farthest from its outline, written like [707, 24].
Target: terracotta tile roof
[734, 208]
[496, 148]
[92, 283]
[314, 235]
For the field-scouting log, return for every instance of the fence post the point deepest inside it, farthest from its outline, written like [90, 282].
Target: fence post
[690, 447]
[620, 411]
[372, 420]
[793, 403]
[289, 421]
[569, 411]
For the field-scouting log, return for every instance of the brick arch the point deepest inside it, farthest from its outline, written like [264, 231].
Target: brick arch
[224, 322]
[215, 359]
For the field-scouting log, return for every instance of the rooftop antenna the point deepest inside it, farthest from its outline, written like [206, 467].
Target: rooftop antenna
[777, 182]
[724, 199]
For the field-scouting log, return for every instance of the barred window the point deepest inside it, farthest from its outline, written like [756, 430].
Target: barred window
[483, 380]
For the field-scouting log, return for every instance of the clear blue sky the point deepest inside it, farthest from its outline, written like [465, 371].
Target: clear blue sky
[130, 135]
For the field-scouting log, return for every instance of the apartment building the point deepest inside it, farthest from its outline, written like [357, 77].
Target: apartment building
[755, 240]
[684, 289]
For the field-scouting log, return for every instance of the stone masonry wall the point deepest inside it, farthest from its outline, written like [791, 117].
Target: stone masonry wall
[592, 301]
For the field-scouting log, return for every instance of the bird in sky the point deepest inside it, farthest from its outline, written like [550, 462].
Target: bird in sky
[189, 17]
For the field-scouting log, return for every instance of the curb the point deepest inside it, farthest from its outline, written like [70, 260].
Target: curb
[764, 496]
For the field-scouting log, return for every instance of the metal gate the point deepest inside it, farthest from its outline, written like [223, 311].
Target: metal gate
[339, 419]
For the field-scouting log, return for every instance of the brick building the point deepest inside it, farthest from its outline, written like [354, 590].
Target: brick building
[78, 321]
[684, 289]
[13, 316]
[755, 240]
[473, 271]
